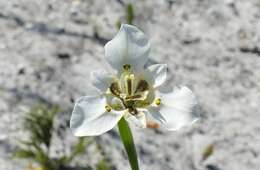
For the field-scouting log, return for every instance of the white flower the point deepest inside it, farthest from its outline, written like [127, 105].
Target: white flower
[133, 93]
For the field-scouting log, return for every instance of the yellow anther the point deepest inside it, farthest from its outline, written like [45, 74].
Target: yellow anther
[157, 101]
[108, 108]
[126, 67]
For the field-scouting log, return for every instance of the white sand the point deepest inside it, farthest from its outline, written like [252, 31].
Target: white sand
[211, 46]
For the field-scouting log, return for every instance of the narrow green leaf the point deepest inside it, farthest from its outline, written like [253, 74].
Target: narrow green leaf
[22, 153]
[130, 13]
[128, 141]
[102, 165]
[79, 148]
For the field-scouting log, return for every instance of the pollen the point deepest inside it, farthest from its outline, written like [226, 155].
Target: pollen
[108, 108]
[126, 67]
[157, 101]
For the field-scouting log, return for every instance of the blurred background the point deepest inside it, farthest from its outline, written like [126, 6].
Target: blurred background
[49, 47]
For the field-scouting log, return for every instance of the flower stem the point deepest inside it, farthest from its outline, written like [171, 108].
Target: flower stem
[128, 141]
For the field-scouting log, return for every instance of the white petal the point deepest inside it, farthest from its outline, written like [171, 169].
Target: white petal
[89, 117]
[156, 74]
[177, 108]
[180, 97]
[101, 80]
[129, 46]
[155, 113]
[114, 102]
[139, 120]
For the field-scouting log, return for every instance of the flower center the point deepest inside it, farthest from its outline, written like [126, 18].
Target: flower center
[132, 90]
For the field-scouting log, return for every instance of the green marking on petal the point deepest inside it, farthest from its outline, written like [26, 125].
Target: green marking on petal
[142, 86]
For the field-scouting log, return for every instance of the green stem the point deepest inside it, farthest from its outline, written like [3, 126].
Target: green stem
[128, 141]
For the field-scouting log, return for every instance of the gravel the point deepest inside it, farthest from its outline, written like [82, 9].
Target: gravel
[49, 47]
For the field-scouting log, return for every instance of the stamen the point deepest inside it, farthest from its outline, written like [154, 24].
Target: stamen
[108, 108]
[142, 86]
[126, 67]
[129, 87]
[137, 96]
[114, 88]
[129, 83]
[157, 101]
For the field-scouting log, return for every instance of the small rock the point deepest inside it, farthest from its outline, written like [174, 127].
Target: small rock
[63, 56]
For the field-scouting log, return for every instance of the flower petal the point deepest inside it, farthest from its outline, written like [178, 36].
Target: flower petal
[155, 113]
[156, 74]
[177, 108]
[90, 118]
[114, 102]
[139, 120]
[101, 80]
[129, 46]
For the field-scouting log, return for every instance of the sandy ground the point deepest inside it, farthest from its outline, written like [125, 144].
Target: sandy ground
[49, 47]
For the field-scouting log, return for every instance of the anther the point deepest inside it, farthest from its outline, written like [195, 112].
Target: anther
[157, 101]
[142, 86]
[115, 89]
[126, 67]
[108, 108]
[129, 83]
